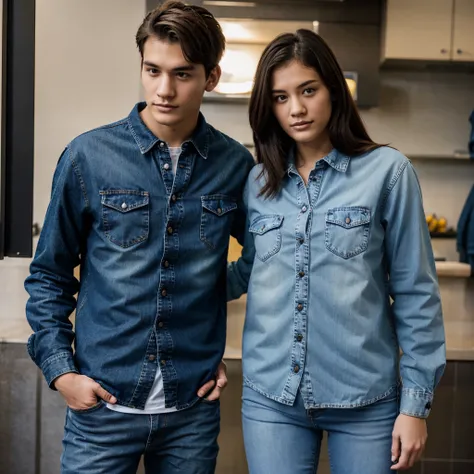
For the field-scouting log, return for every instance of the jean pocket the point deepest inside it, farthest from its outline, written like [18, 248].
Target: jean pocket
[216, 219]
[347, 231]
[125, 216]
[266, 230]
[91, 409]
[211, 402]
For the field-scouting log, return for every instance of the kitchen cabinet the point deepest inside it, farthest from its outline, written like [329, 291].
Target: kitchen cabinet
[431, 30]
[463, 31]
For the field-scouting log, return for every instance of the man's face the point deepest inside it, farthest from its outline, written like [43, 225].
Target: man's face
[173, 87]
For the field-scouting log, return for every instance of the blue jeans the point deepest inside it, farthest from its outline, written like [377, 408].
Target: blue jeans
[102, 441]
[287, 439]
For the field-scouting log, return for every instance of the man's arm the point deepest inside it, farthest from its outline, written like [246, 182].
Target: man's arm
[51, 284]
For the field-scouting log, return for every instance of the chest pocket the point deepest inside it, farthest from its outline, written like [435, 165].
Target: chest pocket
[125, 216]
[216, 219]
[347, 231]
[267, 235]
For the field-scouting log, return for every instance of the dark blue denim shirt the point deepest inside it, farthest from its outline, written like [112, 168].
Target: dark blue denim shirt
[152, 249]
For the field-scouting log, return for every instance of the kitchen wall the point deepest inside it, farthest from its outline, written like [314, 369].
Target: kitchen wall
[420, 113]
[87, 74]
[85, 80]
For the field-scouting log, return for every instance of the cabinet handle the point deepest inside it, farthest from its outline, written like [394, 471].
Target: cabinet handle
[459, 51]
[444, 51]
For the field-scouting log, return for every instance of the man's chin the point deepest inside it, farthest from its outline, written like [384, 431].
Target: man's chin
[166, 119]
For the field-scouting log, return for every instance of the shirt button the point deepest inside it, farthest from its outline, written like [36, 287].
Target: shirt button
[169, 230]
[160, 324]
[166, 264]
[296, 369]
[301, 241]
[301, 274]
[304, 209]
[162, 144]
[181, 166]
[166, 166]
[299, 337]
[219, 210]
[151, 357]
[174, 198]
[300, 307]
[124, 205]
[163, 362]
[164, 292]
[348, 220]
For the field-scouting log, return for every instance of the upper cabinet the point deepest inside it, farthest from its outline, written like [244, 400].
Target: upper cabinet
[431, 30]
[463, 31]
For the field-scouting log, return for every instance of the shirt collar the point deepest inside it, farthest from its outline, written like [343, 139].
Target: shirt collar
[146, 139]
[335, 159]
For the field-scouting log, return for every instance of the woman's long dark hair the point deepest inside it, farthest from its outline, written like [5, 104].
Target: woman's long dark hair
[346, 130]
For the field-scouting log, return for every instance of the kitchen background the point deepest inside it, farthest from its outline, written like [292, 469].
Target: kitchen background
[87, 74]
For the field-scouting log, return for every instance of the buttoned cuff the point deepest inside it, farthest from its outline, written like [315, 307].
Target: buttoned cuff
[56, 365]
[416, 403]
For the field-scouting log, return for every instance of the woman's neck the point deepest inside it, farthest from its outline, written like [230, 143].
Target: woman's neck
[307, 154]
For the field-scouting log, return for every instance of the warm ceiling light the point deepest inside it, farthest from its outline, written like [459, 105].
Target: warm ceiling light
[235, 31]
[224, 3]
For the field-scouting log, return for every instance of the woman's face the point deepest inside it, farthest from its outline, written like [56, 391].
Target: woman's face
[301, 102]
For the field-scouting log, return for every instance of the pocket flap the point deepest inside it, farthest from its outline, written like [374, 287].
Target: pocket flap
[218, 205]
[348, 217]
[263, 224]
[125, 201]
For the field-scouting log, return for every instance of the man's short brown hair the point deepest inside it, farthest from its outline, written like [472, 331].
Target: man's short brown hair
[194, 28]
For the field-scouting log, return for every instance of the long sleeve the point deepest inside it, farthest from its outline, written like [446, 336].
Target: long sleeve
[413, 286]
[51, 284]
[238, 272]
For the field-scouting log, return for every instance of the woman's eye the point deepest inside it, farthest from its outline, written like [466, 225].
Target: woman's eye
[279, 98]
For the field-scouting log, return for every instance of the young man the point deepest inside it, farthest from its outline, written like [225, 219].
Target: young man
[146, 206]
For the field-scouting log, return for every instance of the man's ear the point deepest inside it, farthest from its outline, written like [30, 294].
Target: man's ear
[213, 78]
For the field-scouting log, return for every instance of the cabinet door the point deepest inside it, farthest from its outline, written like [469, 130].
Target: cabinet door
[418, 29]
[463, 31]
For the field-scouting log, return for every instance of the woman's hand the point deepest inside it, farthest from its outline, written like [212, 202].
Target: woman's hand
[408, 441]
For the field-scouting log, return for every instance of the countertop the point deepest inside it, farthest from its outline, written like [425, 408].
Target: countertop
[15, 329]
[459, 334]
[453, 269]
[459, 342]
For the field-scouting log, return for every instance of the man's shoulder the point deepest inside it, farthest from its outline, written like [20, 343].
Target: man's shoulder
[106, 132]
[222, 140]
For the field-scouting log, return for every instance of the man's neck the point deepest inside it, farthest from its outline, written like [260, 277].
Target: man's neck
[173, 136]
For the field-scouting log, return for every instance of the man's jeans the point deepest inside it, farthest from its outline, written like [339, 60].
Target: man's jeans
[102, 441]
[283, 439]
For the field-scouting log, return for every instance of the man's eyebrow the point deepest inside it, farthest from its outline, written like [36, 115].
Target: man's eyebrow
[184, 67]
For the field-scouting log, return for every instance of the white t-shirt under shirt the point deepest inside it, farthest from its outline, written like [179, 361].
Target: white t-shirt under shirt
[155, 402]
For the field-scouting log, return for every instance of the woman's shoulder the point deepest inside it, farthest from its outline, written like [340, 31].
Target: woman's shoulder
[385, 160]
[388, 154]
[256, 178]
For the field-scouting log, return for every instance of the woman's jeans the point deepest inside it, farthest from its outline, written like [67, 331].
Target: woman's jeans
[281, 439]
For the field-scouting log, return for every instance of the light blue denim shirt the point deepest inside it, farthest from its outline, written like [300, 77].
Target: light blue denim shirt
[331, 257]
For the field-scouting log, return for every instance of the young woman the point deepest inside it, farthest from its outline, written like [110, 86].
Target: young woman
[343, 280]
